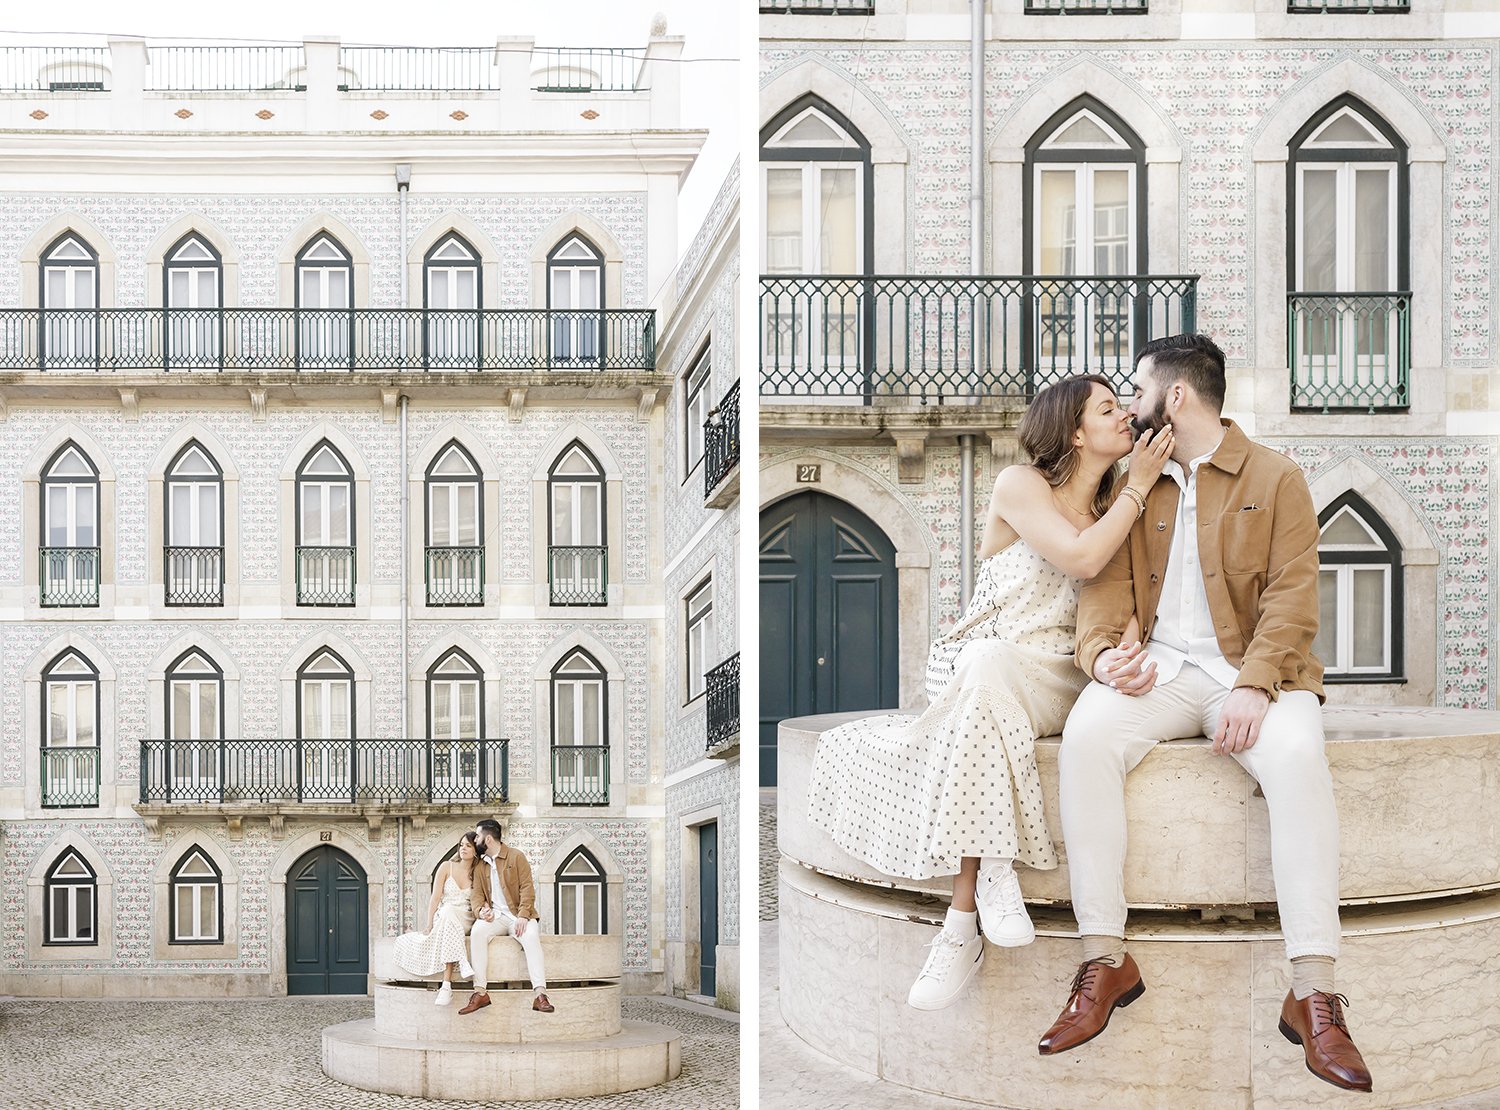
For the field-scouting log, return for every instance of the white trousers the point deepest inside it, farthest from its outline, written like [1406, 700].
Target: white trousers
[1108, 733]
[505, 925]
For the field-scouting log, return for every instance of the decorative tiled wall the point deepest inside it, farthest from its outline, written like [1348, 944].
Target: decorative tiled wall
[720, 786]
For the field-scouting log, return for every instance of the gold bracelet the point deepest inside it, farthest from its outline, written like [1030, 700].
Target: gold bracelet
[1140, 502]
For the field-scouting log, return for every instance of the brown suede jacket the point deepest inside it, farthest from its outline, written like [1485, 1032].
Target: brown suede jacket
[515, 881]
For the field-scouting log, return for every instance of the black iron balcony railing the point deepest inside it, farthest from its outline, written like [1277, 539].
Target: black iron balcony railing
[455, 576]
[1350, 7]
[1349, 351]
[1085, 7]
[580, 775]
[424, 68]
[334, 339]
[582, 69]
[325, 575]
[194, 575]
[721, 440]
[54, 69]
[723, 702]
[220, 772]
[70, 778]
[69, 577]
[578, 575]
[941, 338]
[226, 68]
[818, 7]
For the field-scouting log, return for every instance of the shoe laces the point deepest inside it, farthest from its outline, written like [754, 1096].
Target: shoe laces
[945, 949]
[1006, 887]
[1087, 973]
[1331, 1010]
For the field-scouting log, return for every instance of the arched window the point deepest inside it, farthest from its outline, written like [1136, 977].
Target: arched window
[325, 726]
[580, 736]
[70, 302]
[455, 522]
[70, 732]
[452, 294]
[194, 552]
[195, 726]
[72, 902]
[576, 529]
[1348, 199]
[197, 900]
[575, 295]
[455, 725]
[194, 292]
[580, 895]
[325, 284]
[701, 638]
[70, 529]
[1085, 201]
[325, 528]
[1359, 594]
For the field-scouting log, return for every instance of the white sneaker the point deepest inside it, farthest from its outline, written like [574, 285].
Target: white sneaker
[1002, 914]
[950, 965]
[444, 995]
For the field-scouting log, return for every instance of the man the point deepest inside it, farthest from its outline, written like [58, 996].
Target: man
[512, 913]
[1222, 569]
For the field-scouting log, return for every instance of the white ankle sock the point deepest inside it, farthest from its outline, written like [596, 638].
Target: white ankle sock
[964, 923]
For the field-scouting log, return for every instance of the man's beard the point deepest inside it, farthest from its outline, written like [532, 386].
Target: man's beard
[1153, 421]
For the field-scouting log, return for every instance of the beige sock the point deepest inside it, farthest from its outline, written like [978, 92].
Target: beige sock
[1109, 950]
[1311, 974]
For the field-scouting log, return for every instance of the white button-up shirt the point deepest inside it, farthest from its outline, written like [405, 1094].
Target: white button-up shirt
[1184, 628]
[497, 893]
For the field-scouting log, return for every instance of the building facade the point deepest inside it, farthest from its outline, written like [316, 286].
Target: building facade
[333, 387]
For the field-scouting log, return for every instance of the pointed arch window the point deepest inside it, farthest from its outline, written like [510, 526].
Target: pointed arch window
[194, 551]
[193, 294]
[325, 295]
[455, 725]
[581, 907]
[1359, 594]
[70, 303]
[70, 733]
[452, 291]
[325, 528]
[325, 727]
[197, 900]
[72, 902]
[701, 639]
[580, 738]
[455, 525]
[195, 727]
[575, 297]
[70, 550]
[1348, 195]
[578, 554]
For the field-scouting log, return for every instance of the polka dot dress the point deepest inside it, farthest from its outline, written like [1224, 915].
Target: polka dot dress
[910, 795]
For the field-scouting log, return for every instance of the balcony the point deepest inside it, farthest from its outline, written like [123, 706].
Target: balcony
[721, 451]
[194, 575]
[455, 575]
[1349, 352]
[326, 340]
[1350, 7]
[1085, 7]
[580, 775]
[863, 339]
[724, 709]
[578, 575]
[69, 577]
[817, 7]
[70, 778]
[325, 575]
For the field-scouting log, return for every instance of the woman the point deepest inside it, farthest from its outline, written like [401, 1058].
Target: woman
[956, 789]
[460, 889]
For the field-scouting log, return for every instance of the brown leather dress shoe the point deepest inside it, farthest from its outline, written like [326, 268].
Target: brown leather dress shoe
[1097, 989]
[541, 1005]
[1317, 1024]
[476, 1001]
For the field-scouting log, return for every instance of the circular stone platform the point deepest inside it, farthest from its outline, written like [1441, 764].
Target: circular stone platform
[583, 1013]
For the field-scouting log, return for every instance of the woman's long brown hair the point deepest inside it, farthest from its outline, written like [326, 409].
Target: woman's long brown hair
[1046, 434]
[479, 876]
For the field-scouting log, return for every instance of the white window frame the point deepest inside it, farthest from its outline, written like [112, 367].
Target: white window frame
[579, 923]
[201, 887]
[80, 928]
[699, 638]
[696, 402]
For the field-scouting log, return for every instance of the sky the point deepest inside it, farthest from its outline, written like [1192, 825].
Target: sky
[711, 28]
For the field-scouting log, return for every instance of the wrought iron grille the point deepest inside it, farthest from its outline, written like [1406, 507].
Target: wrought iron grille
[1085, 7]
[455, 576]
[70, 577]
[723, 701]
[578, 575]
[937, 338]
[194, 575]
[1349, 351]
[580, 775]
[1350, 7]
[343, 772]
[427, 68]
[818, 7]
[326, 339]
[70, 777]
[721, 440]
[54, 69]
[325, 576]
[226, 68]
[581, 69]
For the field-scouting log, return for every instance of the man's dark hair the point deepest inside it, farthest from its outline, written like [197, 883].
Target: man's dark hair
[1194, 359]
[490, 827]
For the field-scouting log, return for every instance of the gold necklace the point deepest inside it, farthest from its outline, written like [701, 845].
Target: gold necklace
[1081, 512]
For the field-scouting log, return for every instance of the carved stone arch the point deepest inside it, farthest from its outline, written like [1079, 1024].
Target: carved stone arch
[211, 233]
[579, 222]
[156, 517]
[453, 221]
[30, 257]
[598, 446]
[614, 509]
[72, 640]
[471, 441]
[890, 147]
[179, 437]
[309, 229]
[33, 703]
[31, 514]
[615, 675]
[287, 534]
[201, 838]
[156, 680]
[491, 676]
[298, 656]
[454, 430]
[340, 837]
[48, 445]
[574, 638]
[315, 434]
[70, 837]
[544, 873]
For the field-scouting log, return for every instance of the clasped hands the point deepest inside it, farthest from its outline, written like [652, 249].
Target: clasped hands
[1128, 670]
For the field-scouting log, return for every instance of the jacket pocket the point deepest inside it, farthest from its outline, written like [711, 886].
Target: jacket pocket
[1246, 539]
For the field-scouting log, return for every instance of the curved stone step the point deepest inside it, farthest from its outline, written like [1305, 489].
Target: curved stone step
[1199, 831]
[1203, 1035]
[567, 959]
[642, 1054]
[409, 1013]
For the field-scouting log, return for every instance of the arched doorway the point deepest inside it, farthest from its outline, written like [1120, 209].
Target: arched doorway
[828, 624]
[327, 924]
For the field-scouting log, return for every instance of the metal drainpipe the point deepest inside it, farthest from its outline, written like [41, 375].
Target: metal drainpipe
[966, 514]
[976, 267]
[403, 183]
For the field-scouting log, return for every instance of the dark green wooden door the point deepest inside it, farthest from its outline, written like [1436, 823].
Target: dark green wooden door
[828, 604]
[327, 925]
[708, 907]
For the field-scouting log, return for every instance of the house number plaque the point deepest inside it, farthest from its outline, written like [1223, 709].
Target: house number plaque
[809, 472]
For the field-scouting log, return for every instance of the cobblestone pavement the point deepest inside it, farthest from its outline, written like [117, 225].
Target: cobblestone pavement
[767, 854]
[264, 1054]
